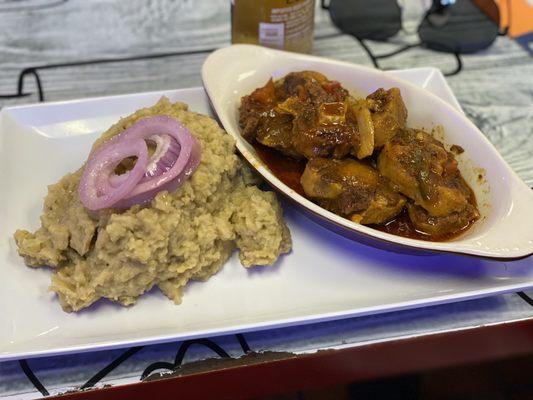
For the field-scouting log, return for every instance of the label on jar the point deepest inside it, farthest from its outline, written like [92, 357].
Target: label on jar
[272, 35]
[296, 19]
[282, 24]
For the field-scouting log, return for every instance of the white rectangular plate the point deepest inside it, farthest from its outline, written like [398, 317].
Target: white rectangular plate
[325, 277]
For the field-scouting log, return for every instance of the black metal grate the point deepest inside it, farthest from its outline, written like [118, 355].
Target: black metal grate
[158, 365]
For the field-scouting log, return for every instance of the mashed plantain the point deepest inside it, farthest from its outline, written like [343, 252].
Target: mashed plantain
[179, 236]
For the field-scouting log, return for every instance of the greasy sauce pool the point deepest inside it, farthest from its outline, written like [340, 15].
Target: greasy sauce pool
[286, 169]
[289, 172]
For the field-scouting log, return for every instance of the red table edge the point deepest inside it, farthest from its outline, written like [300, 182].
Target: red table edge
[330, 367]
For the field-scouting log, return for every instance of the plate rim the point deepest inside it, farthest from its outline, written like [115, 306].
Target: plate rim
[279, 324]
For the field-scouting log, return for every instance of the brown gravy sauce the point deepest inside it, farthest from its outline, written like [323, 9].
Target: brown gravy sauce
[286, 169]
[289, 172]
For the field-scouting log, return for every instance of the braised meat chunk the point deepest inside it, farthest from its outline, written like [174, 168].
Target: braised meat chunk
[441, 226]
[426, 173]
[254, 107]
[317, 109]
[310, 86]
[314, 138]
[305, 115]
[260, 121]
[352, 189]
[320, 131]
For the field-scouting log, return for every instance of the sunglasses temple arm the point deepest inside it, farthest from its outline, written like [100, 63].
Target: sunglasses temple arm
[374, 59]
[368, 52]
[398, 51]
[459, 66]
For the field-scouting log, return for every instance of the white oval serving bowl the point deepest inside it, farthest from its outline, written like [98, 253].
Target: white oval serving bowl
[505, 229]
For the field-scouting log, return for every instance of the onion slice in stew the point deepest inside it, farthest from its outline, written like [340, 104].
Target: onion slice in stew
[366, 129]
[176, 156]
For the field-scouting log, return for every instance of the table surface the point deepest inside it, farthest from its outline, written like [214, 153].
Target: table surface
[495, 89]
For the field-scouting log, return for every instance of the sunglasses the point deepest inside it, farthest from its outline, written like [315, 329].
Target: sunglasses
[450, 26]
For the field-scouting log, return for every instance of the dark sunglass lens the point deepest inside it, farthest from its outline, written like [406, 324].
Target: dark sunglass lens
[458, 26]
[374, 20]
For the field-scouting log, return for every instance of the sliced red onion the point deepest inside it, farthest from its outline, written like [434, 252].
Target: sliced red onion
[165, 155]
[170, 186]
[94, 189]
[175, 158]
[162, 177]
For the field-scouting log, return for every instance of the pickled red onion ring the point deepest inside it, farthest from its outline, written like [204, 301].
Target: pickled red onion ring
[175, 158]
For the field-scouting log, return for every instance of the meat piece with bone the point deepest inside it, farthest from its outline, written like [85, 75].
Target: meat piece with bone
[428, 174]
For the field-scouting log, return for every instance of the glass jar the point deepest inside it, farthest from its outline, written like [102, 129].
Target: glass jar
[281, 24]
